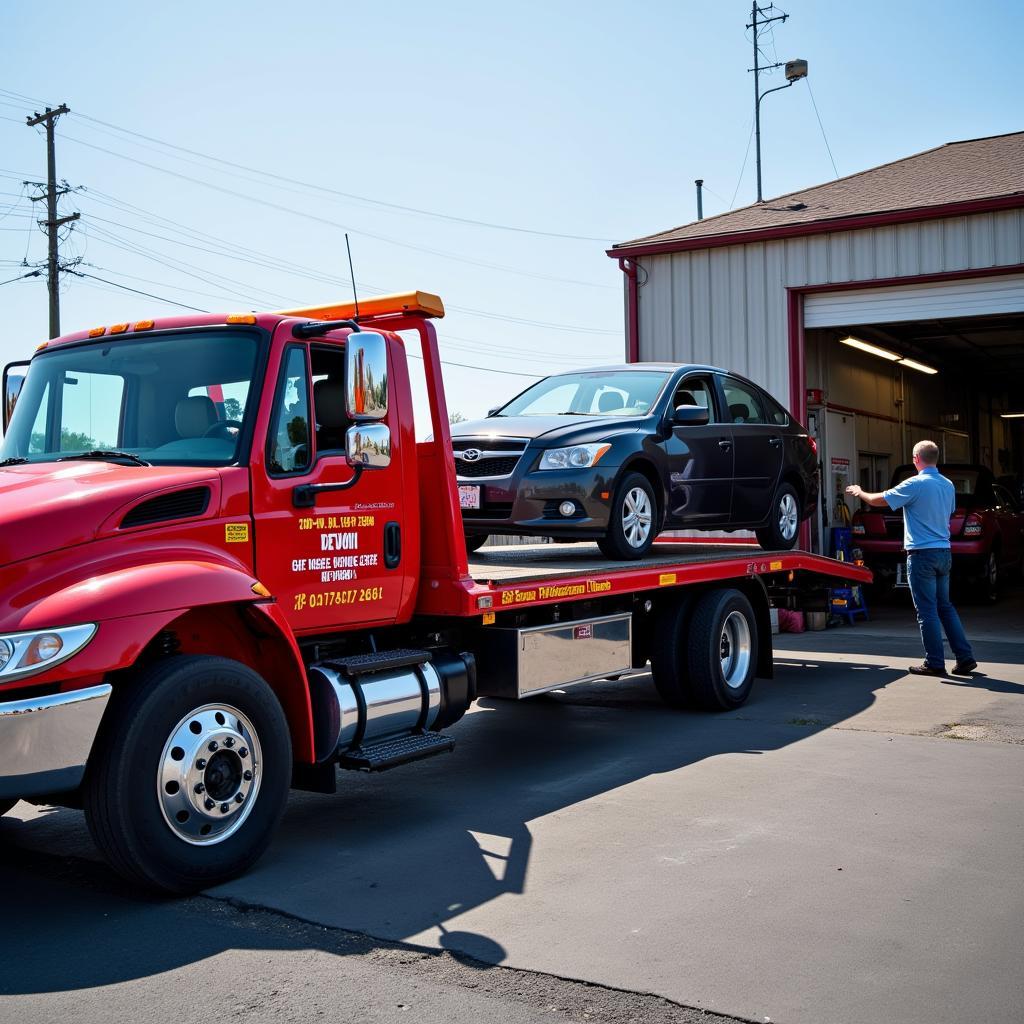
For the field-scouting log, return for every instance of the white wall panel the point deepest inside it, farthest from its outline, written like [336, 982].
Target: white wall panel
[969, 297]
[728, 306]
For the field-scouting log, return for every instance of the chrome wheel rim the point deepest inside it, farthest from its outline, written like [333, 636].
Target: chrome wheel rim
[209, 774]
[789, 517]
[734, 650]
[637, 516]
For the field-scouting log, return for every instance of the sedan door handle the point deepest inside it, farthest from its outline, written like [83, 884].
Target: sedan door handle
[775, 442]
[725, 444]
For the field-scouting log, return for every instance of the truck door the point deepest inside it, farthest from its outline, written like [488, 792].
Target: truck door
[329, 533]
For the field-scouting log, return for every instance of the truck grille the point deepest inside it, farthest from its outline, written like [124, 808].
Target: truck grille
[477, 457]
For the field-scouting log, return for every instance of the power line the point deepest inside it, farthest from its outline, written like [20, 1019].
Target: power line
[821, 126]
[34, 273]
[291, 211]
[348, 195]
[743, 167]
[148, 295]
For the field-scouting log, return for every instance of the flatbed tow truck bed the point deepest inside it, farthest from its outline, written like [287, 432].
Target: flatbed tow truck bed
[516, 576]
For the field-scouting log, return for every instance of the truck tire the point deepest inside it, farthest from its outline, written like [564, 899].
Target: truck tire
[722, 650]
[475, 541]
[190, 774]
[783, 527]
[669, 641]
[633, 519]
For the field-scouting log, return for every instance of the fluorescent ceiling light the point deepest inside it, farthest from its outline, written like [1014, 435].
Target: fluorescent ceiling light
[914, 365]
[1011, 415]
[864, 346]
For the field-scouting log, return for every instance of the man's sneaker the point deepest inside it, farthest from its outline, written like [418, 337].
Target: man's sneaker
[927, 670]
[964, 668]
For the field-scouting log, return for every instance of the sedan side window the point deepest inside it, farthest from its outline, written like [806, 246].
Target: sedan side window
[695, 391]
[742, 403]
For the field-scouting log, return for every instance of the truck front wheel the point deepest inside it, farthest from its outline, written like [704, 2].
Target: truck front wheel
[190, 774]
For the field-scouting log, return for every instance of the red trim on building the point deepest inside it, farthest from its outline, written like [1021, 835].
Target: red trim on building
[628, 267]
[818, 227]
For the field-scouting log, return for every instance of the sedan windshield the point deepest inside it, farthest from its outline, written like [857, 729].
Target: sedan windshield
[176, 399]
[604, 393]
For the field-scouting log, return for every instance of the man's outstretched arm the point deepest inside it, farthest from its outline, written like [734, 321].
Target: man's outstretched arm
[876, 499]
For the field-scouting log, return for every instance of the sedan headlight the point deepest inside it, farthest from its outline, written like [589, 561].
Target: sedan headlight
[579, 456]
[22, 654]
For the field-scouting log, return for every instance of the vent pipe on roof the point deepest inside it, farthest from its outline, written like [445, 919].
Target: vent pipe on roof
[699, 182]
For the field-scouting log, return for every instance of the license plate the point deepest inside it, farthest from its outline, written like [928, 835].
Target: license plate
[901, 575]
[469, 495]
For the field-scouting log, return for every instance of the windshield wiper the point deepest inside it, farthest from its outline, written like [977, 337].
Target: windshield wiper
[110, 456]
[16, 461]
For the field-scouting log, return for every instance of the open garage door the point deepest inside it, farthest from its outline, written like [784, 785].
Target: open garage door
[936, 301]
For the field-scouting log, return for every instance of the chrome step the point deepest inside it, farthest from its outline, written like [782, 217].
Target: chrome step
[378, 757]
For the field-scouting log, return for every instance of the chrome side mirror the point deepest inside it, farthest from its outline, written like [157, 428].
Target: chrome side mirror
[366, 383]
[368, 445]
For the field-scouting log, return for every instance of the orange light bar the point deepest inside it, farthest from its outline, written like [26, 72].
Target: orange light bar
[41, 346]
[379, 305]
[143, 325]
[118, 328]
[97, 332]
[241, 318]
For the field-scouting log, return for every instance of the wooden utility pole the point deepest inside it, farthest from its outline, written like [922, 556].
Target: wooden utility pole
[52, 222]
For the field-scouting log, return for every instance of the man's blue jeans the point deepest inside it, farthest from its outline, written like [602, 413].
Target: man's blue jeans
[928, 574]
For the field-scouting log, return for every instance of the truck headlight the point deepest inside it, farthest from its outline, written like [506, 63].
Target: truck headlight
[579, 456]
[22, 654]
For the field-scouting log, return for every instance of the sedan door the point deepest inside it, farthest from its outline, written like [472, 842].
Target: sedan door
[759, 450]
[700, 460]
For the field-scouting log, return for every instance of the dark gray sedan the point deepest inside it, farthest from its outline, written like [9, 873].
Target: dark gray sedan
[619, 453]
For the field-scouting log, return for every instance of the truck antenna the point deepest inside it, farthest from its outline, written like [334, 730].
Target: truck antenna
[352, 275]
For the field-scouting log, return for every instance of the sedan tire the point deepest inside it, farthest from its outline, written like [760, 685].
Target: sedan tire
[633, 520]
[784, 524]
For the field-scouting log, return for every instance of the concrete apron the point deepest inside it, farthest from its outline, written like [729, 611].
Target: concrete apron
[824, 854]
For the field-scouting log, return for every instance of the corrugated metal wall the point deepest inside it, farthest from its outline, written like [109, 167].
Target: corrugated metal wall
[727, 306]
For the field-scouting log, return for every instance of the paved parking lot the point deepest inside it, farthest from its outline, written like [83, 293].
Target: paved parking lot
[848, 846]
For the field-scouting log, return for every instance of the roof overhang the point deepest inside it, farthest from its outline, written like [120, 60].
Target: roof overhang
[818, 227]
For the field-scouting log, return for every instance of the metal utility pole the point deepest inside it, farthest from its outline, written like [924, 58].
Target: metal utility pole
[52, 222]
[699, 182]
[795, 70]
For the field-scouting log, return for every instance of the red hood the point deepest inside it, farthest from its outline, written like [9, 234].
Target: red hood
[47, 506]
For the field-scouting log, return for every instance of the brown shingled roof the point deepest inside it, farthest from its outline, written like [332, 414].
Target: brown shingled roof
[958, 172]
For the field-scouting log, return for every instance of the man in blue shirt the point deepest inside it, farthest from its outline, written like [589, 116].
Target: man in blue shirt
[928, 500]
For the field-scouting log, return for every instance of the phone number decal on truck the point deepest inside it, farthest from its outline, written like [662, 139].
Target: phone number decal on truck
[330, 598]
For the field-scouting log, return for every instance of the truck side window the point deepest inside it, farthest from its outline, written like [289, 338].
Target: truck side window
[288, 443]
[329, 410]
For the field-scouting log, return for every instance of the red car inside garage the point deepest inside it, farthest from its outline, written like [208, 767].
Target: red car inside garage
[986, 531]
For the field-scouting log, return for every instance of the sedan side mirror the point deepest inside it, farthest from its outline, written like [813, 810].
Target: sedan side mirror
[491, 412]
[691, 415]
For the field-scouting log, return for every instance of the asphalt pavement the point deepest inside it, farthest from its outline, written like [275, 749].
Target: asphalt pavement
[847, 847]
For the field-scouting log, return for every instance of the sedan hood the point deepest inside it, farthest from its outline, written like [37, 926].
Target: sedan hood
[554, 430]
[47, 506]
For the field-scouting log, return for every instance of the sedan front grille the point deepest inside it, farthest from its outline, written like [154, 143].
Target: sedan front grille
[486, 467]
[477, 457]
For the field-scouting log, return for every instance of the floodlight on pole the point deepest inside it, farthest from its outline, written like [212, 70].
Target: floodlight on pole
[795, 70]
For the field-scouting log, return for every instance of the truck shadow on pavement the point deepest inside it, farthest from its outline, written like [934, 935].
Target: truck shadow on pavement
[402, 856]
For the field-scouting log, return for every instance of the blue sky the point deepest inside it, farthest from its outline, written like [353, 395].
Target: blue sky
[580, 119]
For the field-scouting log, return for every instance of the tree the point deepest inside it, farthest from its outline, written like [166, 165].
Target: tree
[232, 409]
[457, 417]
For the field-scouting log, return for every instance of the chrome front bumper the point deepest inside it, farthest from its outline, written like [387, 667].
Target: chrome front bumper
[45, 741]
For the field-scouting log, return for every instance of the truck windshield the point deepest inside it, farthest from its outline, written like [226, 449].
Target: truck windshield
[180, 399]
[602, 393]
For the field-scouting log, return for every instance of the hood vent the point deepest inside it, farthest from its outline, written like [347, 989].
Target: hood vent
[177, 505]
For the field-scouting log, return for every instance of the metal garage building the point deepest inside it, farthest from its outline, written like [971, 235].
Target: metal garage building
[922, 258]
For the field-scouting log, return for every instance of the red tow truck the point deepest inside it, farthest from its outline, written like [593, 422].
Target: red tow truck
[227, 568]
